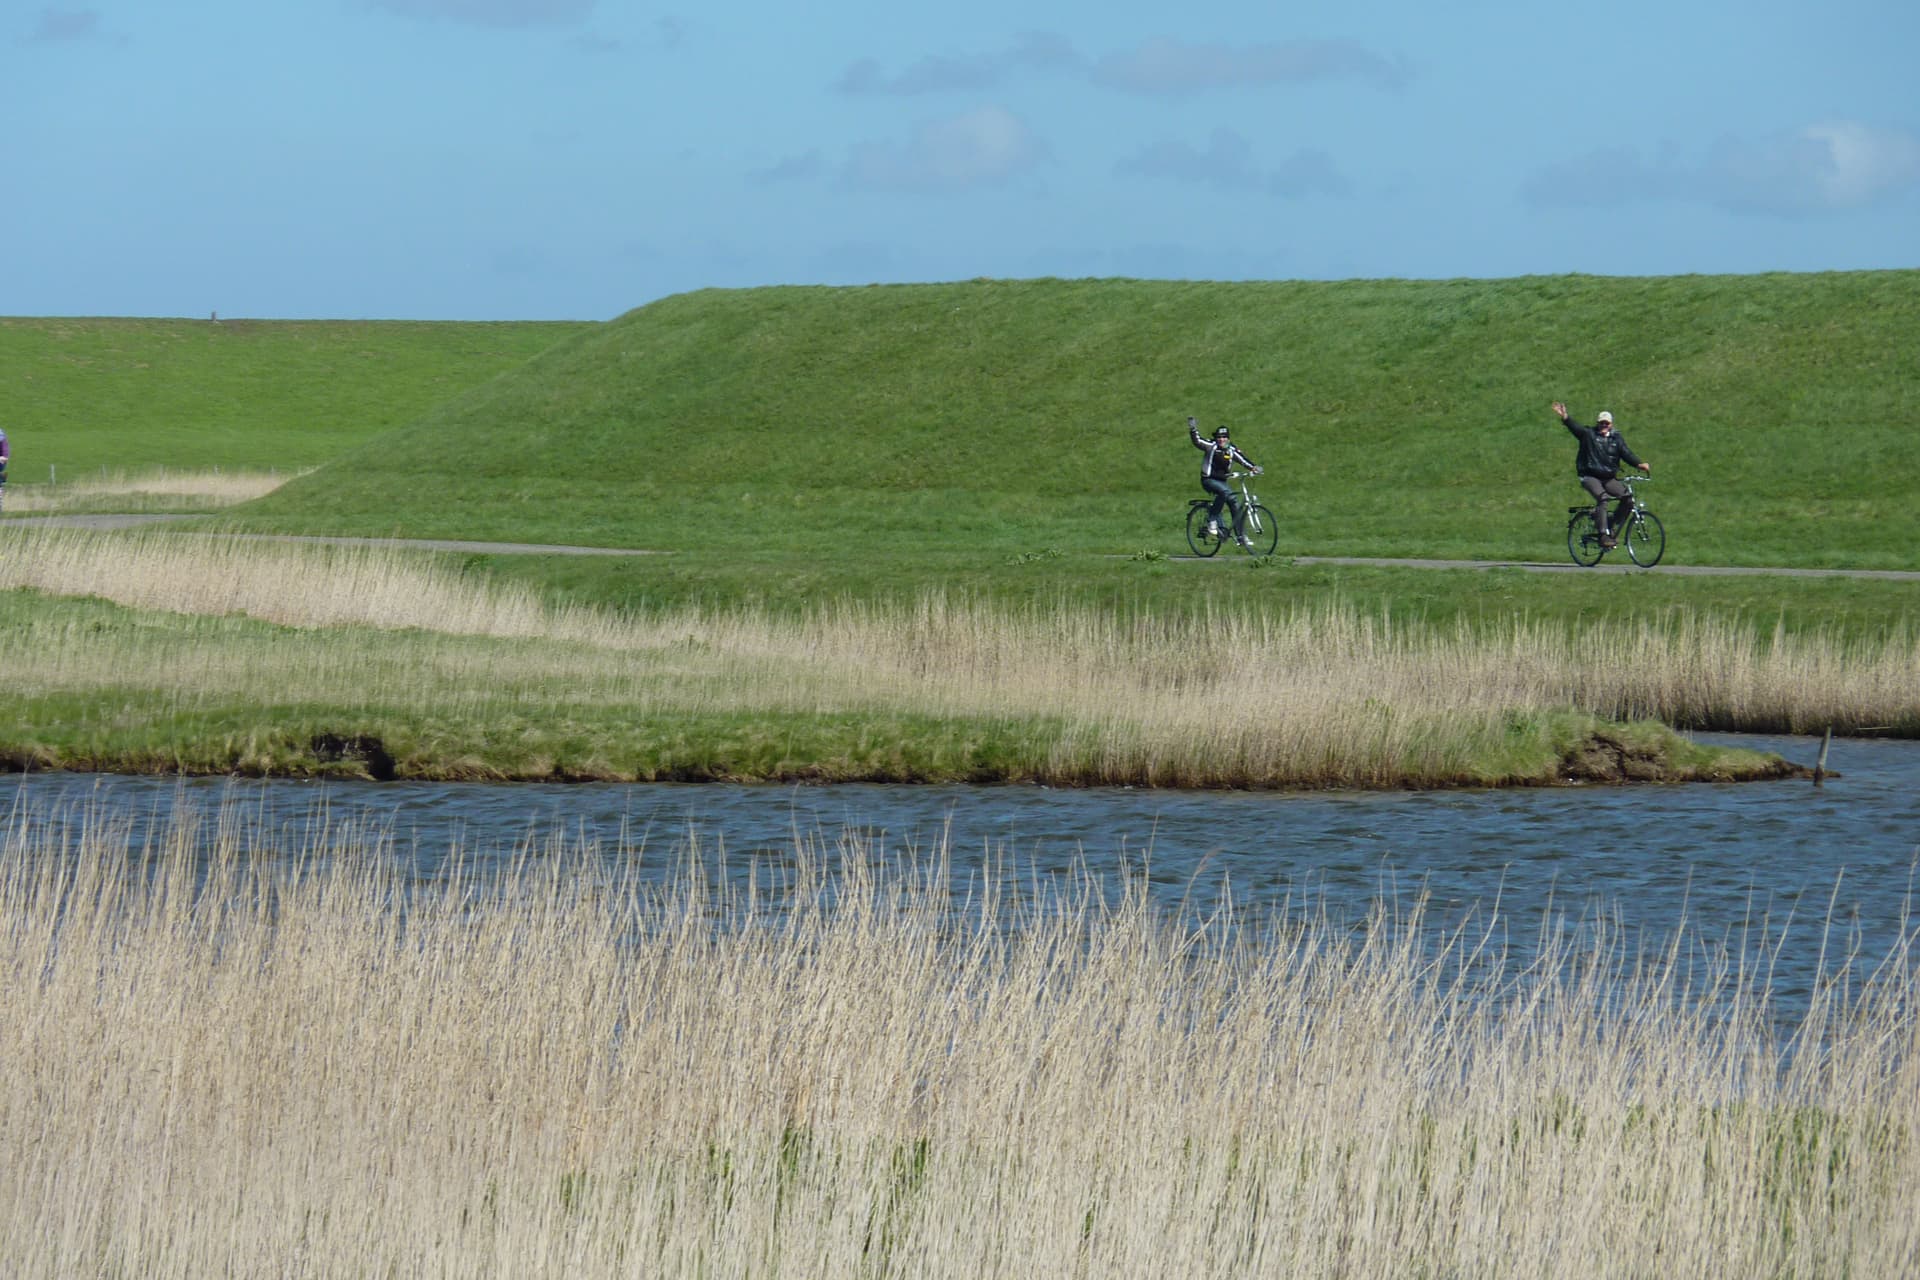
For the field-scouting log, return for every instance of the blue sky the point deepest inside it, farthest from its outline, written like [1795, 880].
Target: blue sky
[572, 159]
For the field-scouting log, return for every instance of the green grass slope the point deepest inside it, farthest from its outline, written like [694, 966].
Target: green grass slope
[1395, 418]
[82, 395]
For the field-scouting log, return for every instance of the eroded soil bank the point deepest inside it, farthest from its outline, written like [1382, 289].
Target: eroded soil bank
[1602, 757]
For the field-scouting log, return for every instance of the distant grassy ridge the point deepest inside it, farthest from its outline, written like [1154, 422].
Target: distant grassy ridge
[1396, 418]
[83, 396]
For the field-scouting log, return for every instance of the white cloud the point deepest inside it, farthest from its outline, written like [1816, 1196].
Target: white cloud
[1166, 65]
[494, 13]
[985, 147]
[1839, 165]
[1227, 162]
[1819, 168]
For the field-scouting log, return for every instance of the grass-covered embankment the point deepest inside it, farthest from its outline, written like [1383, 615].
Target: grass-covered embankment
[1397, 418]
[279, 1058]
[87, 397]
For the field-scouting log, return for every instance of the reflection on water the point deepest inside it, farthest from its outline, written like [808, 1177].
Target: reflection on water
[1828, 869]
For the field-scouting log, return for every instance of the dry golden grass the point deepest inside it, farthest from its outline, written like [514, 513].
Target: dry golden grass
[290, 1061]
[1316, 695]
[146, 491]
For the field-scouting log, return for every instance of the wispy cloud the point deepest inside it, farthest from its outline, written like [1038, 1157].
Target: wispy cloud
[1227, 163]
[963, 73]
[54, 25]
[792, 169]
[493, 13]
[1160, 66]
[1174, 66]
[664, 34]
[1819, 168]
[986, 147]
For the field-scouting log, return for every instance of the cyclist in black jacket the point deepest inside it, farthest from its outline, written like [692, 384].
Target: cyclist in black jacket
[1602, 450]
[1220, 461]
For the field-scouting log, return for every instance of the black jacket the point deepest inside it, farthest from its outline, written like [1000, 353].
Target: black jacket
[1600, 455]
[1220, 459]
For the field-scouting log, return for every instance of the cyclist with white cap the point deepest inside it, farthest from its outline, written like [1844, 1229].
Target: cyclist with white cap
[1602, 450]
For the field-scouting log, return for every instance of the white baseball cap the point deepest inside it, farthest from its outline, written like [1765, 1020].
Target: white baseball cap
[1605, 416]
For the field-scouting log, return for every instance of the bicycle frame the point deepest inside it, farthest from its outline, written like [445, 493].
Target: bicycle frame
[1253, 526]
[1248, 501]
[1635, 507]
[1639, 530]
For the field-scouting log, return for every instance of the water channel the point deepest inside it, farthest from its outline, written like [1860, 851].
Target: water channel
[1830, 870]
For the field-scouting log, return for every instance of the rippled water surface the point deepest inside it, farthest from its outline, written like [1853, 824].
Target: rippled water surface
[1829, 868]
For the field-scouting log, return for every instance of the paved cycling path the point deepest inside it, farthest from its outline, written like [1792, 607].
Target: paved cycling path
[1534, 566]
[546, 549]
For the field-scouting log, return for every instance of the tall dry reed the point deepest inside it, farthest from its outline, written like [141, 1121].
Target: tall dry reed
[299, 1059]
[148, 490]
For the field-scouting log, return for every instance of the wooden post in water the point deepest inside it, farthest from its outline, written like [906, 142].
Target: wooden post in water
[1820, 766]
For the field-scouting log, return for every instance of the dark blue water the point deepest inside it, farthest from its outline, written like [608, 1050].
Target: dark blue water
[1829, 871]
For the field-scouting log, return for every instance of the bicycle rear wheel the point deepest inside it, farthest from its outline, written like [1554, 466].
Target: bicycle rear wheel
[1646, 539]
[1197, 531]
[1262, 531]
[1583, 540]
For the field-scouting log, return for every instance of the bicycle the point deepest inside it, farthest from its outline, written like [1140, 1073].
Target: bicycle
[1644, 537]
[1255, 527]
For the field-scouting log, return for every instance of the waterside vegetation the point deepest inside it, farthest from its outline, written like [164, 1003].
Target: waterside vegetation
[214, 654]
[263, 1054]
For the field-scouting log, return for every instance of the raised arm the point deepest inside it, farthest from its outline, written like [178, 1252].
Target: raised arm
[1579, 432]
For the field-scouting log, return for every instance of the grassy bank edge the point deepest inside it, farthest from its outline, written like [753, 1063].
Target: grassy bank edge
[1557, 749]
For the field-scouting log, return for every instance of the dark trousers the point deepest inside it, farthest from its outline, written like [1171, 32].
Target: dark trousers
[1222, 493]
[1601, 491]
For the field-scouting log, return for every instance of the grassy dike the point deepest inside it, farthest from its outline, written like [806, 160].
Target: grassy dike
[826, 469]
[86, 397]
[1022, 417]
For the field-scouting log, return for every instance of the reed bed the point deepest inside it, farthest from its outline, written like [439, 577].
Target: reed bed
[1314, 695]
[239, 1053]
[157, 490]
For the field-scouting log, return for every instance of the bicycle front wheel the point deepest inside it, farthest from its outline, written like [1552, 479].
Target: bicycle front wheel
[1261, 530]
[1583, 540]
[1197, 531]
[1646, 539]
